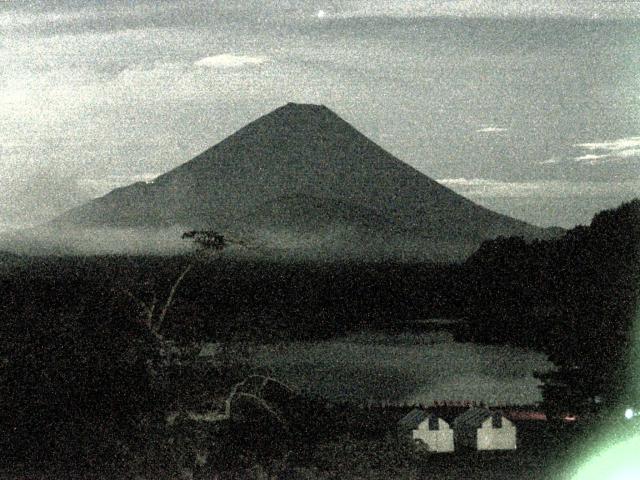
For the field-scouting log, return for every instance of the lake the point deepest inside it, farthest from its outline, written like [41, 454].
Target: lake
[412, 368]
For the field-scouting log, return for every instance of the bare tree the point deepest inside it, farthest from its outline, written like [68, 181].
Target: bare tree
[153, 317]
[253, 391]
[256, 396]
[154, 311]
[209, 244]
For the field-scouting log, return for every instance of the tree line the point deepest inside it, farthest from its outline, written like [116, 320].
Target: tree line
[574, 298]
[77, 359]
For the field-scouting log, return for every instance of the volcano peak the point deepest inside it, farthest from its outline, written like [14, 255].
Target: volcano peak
[322, 178]
[308, 107]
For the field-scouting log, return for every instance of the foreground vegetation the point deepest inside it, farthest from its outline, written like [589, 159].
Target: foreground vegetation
[88, 375]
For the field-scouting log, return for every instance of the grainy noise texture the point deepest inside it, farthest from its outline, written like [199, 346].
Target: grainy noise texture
[328, 239]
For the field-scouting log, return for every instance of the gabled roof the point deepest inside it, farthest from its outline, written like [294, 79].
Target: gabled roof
[473, 417]
[414, 418]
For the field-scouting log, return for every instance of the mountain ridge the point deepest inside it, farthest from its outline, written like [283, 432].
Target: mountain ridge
[308, 153]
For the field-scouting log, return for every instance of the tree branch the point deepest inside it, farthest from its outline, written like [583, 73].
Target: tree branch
[234, 392]
[263, 403]
[171, 296]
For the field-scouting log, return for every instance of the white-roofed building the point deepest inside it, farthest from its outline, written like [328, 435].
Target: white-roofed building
[482, 429]
[427, 428]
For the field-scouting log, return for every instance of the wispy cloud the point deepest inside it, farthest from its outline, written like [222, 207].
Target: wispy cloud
[550, 161]
[227, 60]
[613, 145]
[590, 157]
[485, 187]
[587, 9]
[611, 150]
[491, 129]
[629, 152]
[480, 187]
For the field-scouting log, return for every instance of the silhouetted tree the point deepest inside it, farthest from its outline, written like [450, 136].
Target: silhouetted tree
[573, 298]
[592, 342]
[153, 312]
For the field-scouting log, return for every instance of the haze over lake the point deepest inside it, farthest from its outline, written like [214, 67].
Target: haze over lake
[409, 368]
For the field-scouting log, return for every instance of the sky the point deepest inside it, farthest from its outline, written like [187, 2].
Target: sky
[529, 108]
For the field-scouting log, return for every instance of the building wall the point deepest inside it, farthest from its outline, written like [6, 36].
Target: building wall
[440, 440]
[436, 440]
[497, 438]
[489, 438]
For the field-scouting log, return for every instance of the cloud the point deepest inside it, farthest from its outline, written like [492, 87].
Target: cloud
[38, 196]
[550, 161]
[614, 145]
[227, 60]
[584, 9]
[67, 239]
[612, 150]
[484, 187]
[491, 129]
[629, 152]
[590, 157]
[479, 188]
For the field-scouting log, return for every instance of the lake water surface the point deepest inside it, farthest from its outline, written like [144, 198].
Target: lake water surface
[413, 368]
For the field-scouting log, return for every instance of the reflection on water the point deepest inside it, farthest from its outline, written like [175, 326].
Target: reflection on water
[413, 368]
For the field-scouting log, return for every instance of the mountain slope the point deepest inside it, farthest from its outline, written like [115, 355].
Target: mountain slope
[313, 168]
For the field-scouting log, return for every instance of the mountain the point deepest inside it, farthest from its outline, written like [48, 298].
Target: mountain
[302, 179]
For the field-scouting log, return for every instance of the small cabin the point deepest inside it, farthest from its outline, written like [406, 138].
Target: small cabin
[482, 429]
[427, 429]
